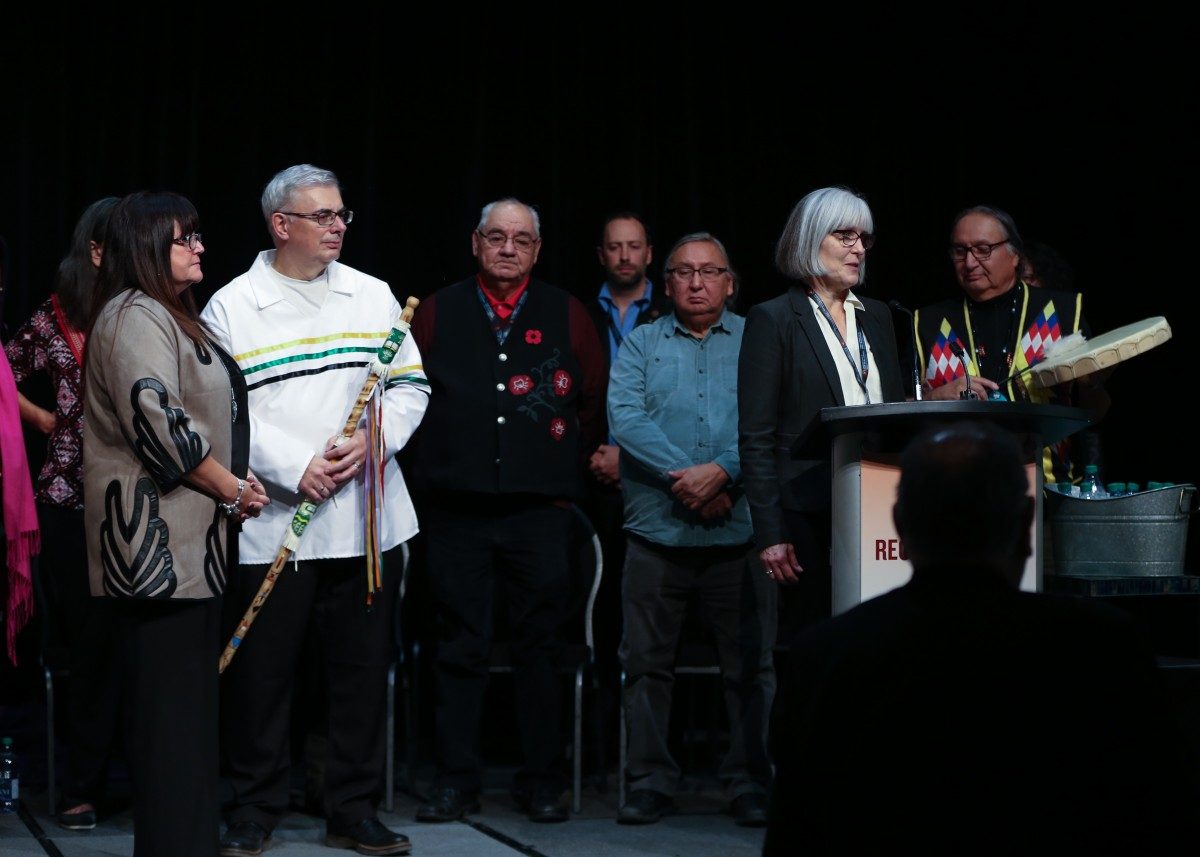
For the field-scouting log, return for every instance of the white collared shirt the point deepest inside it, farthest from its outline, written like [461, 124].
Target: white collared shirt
[852, 391]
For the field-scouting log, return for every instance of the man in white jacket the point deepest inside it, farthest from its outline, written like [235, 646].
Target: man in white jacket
[304, 329]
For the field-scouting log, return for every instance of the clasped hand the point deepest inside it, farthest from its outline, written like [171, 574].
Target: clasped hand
[337, 465]
[699, 486]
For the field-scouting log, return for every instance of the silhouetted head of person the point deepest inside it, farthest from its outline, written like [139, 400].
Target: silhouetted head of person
[1044, 266]
[964, 500]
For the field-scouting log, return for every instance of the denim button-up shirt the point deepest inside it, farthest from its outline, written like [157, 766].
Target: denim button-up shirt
[672, 403]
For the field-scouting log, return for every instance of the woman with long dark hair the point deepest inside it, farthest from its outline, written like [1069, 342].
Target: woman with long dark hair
[166, 440]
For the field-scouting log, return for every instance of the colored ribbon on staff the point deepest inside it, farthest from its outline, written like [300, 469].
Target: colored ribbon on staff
[304, 513]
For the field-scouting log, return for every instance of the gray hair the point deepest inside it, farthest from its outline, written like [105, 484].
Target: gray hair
[708, 237]
[798, 253]
[486, 212]
[277, 195]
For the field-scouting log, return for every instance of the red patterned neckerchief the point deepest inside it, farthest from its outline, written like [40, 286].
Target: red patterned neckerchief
[75, 337]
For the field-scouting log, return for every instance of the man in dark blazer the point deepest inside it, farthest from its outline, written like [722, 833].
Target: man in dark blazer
[958, 714]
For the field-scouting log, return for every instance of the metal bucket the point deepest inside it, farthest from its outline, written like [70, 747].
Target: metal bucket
[1133, 535]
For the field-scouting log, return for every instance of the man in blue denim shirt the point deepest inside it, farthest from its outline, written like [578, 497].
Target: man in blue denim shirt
[672, 406]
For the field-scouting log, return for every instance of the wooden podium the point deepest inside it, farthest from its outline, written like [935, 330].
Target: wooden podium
[867, 557]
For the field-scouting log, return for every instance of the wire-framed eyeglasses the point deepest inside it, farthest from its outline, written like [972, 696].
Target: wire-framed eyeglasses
[325, 216]
[684, 273]
[191, 241]
[982, 252]
[849, 236]
[496, 240]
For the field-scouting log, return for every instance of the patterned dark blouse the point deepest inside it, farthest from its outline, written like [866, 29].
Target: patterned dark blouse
[39, 346]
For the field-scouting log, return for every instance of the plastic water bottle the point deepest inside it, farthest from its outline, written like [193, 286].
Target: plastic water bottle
[1117, 489]
[1132, 487]
[1090, 488]
[10, 783]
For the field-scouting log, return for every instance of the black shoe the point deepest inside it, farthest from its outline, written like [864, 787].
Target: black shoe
[85, 820]
[447, 804]
[541, 805]
[244, 839]
[645, 806]
[750, 809]
[367, 836]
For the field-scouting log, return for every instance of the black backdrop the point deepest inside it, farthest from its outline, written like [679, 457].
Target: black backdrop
[702, 119]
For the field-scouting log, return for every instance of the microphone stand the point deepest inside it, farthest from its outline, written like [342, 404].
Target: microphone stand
[967, 392]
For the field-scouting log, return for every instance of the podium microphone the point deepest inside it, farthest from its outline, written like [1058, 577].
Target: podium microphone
[957, 350]
[912, 335]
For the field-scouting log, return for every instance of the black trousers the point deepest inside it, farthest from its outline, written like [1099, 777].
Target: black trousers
[83, 631]
[170, 652]
[471, 545]
[356, 646]
[737, 602]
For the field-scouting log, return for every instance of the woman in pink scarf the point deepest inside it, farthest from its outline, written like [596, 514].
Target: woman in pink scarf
[18, 523]
[20, 513]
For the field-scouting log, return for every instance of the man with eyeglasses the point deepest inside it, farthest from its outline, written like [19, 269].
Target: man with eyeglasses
[304, 328]
[672, 407]
[517, 379]
[1001, 327]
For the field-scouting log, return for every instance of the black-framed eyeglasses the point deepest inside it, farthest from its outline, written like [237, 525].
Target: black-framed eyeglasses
[190, 241]
[849, 236]
[496, 240]
[708, 273]
[325, 216]
[982, 252]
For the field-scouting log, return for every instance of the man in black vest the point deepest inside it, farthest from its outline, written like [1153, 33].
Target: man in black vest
[517, 382]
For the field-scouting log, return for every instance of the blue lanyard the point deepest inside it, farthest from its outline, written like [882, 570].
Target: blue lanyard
[862, 345]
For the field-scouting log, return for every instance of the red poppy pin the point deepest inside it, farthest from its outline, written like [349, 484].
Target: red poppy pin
[533, 337]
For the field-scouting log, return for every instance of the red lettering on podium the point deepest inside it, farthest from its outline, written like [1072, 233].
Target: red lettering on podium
[890, 549]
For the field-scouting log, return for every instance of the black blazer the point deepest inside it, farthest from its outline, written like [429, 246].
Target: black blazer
[786, 375]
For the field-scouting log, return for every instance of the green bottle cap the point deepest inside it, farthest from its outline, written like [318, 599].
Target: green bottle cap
[1132, 487]
[1152, 486]
[1116, 487]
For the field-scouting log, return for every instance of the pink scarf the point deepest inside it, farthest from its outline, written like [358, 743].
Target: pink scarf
[20, 511]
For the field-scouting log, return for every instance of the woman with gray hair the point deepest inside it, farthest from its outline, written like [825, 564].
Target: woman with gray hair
[818, 345]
